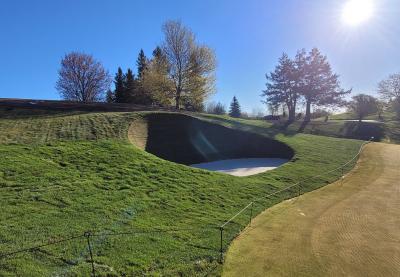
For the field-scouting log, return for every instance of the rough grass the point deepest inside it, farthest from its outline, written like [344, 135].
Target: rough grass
[350, 228]
[63, 174]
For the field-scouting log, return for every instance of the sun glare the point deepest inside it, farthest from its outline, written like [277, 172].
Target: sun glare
[356, 12]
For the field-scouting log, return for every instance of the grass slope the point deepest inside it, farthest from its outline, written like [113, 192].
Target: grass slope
[63, 174]
[349, 228]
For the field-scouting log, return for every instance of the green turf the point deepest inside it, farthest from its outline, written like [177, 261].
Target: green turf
[63, 174]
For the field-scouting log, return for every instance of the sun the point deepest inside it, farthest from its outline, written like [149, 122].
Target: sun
[356, 12]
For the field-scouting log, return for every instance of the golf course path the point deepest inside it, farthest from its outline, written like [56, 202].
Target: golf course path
[348, 228]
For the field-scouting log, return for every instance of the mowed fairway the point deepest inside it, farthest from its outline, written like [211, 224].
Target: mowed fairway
[349, 228]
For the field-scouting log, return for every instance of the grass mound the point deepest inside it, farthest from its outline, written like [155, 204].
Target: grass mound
[64, 174]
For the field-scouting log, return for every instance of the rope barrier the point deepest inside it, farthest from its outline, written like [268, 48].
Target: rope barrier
[299, 183]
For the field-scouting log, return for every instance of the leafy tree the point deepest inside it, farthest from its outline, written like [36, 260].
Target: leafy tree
[191, 66]
[156, 81]
[141, 63]
[120, 89]
[82, 78]
[389, 89]
[281, 86]
[317, 83]
[363, 105]
[234, 110]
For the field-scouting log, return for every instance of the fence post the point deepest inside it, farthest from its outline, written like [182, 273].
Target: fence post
[342, 178]
[251, 213]
[221, 258]
[87, 235]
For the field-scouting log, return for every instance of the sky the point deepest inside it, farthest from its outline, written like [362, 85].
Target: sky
[248, 38]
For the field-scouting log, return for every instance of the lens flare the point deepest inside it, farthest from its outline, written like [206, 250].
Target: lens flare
[356, 12]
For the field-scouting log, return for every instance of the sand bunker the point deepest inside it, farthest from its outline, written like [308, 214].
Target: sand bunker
[364, 120]
[242, 167]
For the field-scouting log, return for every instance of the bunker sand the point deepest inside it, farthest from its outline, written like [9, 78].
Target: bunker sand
[348, 228]
[242, 167]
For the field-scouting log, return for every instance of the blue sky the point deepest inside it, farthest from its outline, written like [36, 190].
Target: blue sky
[248, 37]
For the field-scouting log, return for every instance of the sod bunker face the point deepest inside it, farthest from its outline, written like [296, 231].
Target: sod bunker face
[186, 140]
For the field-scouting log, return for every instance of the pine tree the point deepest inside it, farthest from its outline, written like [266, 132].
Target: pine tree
[318, 84]
[130, 87]
[281, 85]
[234, 110]
[119, 82]
[110, 97]
[141, 63]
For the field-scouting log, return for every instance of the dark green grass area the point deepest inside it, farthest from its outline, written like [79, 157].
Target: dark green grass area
[63, 175]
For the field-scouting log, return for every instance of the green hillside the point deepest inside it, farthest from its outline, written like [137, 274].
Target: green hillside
[62, 174]
[345, 125]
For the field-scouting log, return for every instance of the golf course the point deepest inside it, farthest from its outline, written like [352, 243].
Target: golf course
[348, 228]
[200, 138]
[64, 174]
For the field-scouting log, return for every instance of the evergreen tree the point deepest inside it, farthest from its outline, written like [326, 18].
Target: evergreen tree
[131, 87]
[281, 86]
[141, 63]
[234, 110]
[120, 91]
[110, 97]
[318, 84]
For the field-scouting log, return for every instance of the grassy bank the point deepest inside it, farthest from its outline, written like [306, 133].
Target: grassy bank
[63, 174]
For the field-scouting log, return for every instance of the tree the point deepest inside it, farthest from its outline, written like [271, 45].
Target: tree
[130, 88]
[191, 66]
[82, 78]
[281, 86]
[120, 90]
[380, 108]
[110, 97]
[216, 108]
[234, 110]
[141, 63]
[389, 89]
[155, 80]
[318, 84]
[396, 107]
[363, 105]
[273, 109]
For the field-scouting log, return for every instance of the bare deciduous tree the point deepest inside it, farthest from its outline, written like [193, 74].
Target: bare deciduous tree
[389, 88]
[191, 66]
[82, 78]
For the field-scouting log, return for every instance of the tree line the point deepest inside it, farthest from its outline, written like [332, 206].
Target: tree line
[308, 79]
[180, 73]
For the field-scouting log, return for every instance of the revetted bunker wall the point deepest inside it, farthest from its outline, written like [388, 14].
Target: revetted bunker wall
[184, 139]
